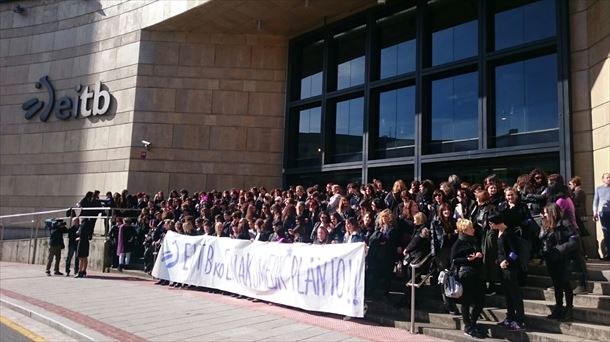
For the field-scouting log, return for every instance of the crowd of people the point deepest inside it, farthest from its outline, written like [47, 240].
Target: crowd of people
[486, 233]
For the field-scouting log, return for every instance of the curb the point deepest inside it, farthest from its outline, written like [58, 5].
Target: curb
[46, 320]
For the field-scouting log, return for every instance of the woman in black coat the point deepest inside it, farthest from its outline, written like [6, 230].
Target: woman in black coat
[125, 241]
[443, 236]
[511, 268]
[467, 259]
[488, 238]
[534, 194]
[381, 256]
[558, 241]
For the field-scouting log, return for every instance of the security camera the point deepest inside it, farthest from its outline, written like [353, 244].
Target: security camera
[146, 144]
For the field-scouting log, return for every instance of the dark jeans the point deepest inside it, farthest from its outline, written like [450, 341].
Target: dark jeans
[71, 253]
[579, 259]
[54, 252]
[604, 219]
[560, 275]
[472, 300]
[149, 258]
[513, 295]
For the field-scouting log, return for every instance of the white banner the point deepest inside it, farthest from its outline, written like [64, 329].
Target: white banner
[326, 278]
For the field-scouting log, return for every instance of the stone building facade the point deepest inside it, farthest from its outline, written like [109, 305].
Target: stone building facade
[205, 83]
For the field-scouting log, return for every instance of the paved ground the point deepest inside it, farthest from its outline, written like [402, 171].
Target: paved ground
[106, 307]
[17, 327]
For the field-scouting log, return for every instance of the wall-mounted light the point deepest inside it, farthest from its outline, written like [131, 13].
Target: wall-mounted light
[146, 144]
[19, 10]
[259, 25]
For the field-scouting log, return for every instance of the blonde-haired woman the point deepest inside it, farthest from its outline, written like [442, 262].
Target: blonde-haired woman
[335, 197]
[393, 198]
[381, 256]
[467, 258]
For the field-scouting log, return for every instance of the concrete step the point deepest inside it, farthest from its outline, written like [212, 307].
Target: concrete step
[545, 307]
[543, 281]
[499, 332]
[430, 312]
[453, 335]
[583, 330]
[596, 271]
[390, 313]
[594, 301]
[450, 327]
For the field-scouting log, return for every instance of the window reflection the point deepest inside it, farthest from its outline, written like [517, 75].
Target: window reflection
[506, 168]
[455, 36]
[311, 70]
[350, 58]
[342, 177]
[395, 132]
[525, 23]
[526, 102]
[388, 175]
[397, 40]
[348, 130]
[521, 84]
[454, 114]
[308, 141]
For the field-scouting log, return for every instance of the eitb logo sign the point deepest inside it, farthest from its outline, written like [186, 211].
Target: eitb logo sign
[84, 103]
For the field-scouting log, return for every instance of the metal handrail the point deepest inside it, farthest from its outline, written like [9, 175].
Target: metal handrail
[35, 213]
[106, 214]
[64, 210]
[414, 286]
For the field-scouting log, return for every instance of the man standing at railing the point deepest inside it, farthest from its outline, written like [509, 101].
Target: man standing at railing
[57, 229]
[72, 246]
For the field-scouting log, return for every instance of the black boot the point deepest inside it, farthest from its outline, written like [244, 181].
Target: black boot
[453, 309]
[567, 314]
[557, 313]
[79, 275]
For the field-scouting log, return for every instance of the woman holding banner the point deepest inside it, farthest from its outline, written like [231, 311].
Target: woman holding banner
[381, 256]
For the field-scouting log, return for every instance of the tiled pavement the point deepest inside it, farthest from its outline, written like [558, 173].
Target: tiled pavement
[126, 308]
[40, 330]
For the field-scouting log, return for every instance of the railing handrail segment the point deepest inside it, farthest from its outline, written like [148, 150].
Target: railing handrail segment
[34, 213]
[413, 285]
[66, 209]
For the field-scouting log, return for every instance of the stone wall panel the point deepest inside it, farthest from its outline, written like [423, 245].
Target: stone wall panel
[196, 96]
[230, 102]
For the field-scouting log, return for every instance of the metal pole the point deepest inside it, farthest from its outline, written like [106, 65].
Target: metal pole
[1, 239]
[412, 299]
[30, 244]
[37, 225]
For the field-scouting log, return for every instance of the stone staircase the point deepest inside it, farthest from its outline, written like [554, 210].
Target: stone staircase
[591, 311]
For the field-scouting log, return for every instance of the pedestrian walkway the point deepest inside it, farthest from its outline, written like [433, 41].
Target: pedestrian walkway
[15, 326]
[127, 308]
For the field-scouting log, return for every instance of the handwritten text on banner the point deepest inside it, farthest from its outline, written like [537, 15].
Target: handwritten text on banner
[326, 278]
